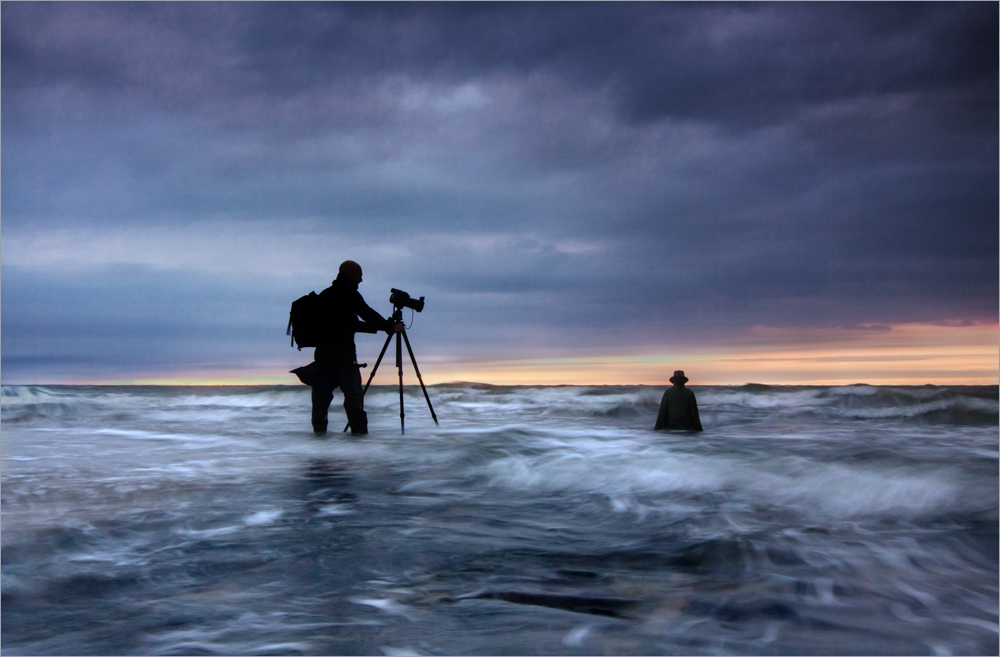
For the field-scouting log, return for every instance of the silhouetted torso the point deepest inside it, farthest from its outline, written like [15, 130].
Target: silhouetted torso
[678, 410]
[343, 305]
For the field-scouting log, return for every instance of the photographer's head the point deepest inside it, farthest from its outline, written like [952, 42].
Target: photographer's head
[349, 271]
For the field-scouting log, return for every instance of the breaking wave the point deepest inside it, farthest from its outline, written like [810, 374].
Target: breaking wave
[212, 520]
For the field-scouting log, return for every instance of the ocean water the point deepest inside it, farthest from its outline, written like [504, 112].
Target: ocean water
[533, 520]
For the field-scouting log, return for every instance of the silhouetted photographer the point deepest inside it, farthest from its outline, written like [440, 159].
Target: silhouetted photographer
[333, 316]
[678, 408]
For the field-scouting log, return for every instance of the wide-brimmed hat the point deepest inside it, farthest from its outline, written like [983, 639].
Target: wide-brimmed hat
[678, 377]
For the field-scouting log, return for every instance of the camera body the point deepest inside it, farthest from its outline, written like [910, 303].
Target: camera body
[400, 299]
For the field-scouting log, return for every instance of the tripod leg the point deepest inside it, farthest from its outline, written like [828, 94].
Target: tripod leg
[378, 362]
[399, 366]
[419, 378]
[372, 375]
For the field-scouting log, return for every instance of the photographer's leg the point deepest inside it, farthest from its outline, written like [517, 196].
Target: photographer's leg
[322, 395]
[354, 398]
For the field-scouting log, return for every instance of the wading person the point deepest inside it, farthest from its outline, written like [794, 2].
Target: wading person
[678, 408]
[336, 358]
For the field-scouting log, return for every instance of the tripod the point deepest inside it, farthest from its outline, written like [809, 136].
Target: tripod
[397, 318]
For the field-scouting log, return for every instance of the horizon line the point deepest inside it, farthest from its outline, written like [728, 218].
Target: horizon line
[166, 383]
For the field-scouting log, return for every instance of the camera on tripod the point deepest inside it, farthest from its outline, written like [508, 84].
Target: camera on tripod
[400, 299]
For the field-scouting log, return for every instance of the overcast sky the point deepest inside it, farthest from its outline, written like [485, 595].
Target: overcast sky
[559, 180]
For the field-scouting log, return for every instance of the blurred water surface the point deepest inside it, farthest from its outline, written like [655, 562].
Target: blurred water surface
[534, 520]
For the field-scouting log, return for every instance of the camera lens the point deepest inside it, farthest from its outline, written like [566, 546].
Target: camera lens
[401, 299]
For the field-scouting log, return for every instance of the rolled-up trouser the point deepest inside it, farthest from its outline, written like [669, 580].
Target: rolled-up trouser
[347, 377]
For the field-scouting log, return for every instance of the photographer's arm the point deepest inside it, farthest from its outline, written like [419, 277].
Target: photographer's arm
[372, 320]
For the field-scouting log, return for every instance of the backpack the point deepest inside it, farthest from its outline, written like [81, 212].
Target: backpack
[306, 322]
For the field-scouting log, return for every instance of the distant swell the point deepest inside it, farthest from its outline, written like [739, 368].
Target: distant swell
[960, 405]
[954, 405]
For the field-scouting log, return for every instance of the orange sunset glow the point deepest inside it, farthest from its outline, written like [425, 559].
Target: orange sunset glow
[904, 354]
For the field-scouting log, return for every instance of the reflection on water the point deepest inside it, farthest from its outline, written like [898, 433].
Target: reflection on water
[532, 521]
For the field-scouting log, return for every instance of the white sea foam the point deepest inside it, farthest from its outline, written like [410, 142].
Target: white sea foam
[387, 605]
[575, 637]
[214, 532]
[213, 520]
[335, 510]
[262, 517]
[836, 490]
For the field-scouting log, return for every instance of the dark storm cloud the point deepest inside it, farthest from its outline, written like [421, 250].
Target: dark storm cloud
[556, 175]
[742, 64]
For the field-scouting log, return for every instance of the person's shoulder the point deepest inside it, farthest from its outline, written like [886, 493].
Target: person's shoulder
[340, 294]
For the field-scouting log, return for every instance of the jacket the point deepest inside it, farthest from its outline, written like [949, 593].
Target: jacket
[342, 305]
[678, 410]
